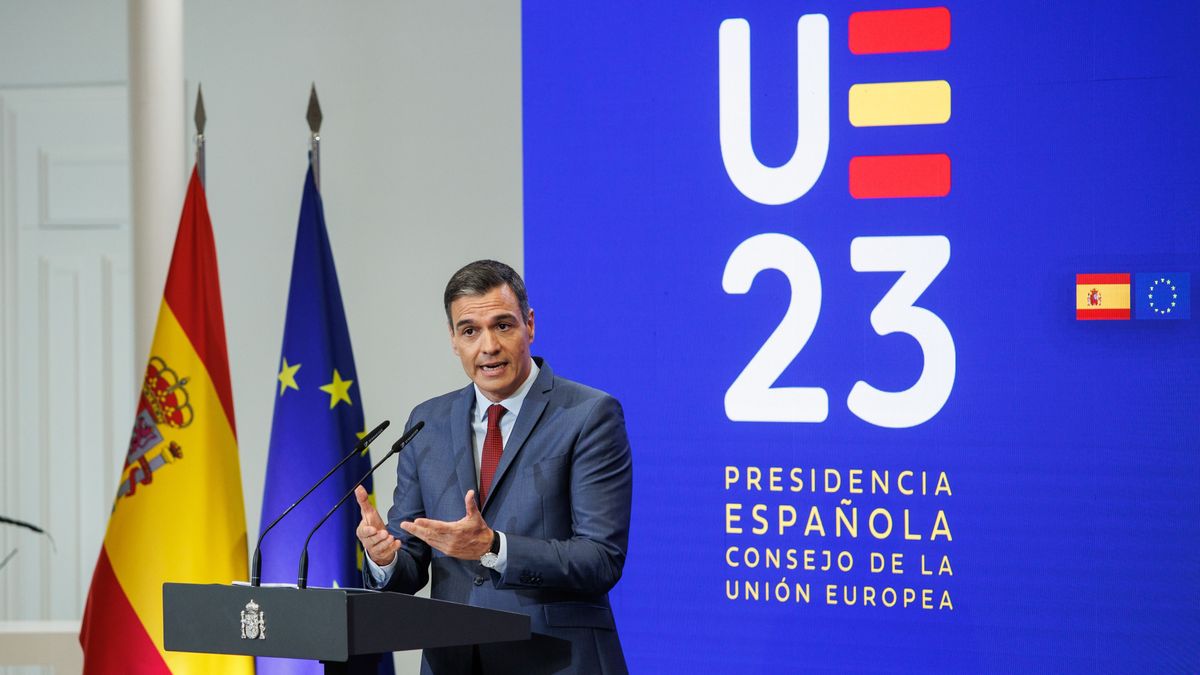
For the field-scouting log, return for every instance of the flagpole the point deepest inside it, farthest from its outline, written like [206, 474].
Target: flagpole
[200, 120]
[314, 127]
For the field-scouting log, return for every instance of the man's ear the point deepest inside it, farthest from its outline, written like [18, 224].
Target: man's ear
[453, 344]
[530, 324]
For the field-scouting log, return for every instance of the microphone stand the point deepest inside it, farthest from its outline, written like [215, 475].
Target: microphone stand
[302, 577]
[256, 567]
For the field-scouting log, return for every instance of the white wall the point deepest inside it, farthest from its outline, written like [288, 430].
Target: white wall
[57, 42]
[65, 323]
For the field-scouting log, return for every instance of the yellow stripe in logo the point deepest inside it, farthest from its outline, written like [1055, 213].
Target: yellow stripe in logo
[900, 103]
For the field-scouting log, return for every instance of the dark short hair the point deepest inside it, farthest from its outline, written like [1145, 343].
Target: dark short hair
[481, 276]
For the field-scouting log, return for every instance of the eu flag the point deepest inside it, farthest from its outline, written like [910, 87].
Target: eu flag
[1163, 295]
[318, 419]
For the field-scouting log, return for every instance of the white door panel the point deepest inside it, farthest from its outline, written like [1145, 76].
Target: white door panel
[68, 373]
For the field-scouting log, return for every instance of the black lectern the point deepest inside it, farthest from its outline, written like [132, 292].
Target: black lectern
[327, 625]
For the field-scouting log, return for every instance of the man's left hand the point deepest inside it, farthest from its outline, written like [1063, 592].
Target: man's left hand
[467, 539]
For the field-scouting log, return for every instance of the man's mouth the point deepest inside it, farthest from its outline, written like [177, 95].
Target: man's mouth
[493, 367]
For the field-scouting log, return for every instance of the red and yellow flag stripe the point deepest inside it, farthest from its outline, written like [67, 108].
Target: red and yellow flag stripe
[1101, 297]
[179, 514]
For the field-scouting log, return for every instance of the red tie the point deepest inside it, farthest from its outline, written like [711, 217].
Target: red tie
[493, 446]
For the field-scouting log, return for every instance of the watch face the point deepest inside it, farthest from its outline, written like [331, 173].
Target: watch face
[489, 560]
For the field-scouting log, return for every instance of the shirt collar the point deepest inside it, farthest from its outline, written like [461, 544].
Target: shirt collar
[513, 403]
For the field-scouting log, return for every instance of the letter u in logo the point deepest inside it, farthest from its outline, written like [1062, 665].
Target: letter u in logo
[787, 183]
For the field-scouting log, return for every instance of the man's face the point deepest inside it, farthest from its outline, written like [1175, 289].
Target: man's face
[489, 335]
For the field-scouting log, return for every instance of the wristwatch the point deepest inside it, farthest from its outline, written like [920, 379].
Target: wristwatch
[492, 557]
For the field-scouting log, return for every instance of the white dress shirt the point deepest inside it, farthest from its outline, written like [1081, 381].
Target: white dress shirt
[512, 406]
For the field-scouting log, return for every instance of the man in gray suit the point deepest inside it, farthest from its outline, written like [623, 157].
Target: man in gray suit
[516, 494]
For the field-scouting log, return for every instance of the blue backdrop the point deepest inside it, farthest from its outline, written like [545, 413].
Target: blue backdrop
[1067, 537]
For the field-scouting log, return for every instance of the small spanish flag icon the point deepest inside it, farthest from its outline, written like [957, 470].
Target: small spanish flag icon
[1102, 296]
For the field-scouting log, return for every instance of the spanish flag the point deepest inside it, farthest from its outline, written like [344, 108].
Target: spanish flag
[178, 513]
[1102, 296]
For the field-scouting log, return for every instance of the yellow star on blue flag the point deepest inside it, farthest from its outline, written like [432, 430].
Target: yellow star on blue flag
[287, 377]
[338, 390]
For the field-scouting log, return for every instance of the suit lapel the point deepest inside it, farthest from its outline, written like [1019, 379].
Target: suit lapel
[460, 437]
[531, 412]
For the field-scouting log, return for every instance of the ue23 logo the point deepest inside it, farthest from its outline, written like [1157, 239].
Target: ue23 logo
[751, 397]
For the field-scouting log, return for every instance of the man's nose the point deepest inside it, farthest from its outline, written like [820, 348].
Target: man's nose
[489, 343]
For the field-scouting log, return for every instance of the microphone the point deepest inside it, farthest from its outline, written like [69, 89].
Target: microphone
[302, 577]
[256, 568]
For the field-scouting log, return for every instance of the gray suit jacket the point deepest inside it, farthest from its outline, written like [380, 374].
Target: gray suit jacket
[561, 496]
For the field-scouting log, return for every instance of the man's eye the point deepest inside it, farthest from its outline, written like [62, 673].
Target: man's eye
[503, 326]
[468, 331]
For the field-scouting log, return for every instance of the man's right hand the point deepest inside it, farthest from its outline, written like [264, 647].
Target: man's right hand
[379, 544]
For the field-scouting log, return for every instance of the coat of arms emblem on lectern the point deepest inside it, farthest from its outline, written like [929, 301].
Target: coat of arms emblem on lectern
[254, 622]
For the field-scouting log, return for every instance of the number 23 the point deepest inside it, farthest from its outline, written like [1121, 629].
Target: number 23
[751, 398]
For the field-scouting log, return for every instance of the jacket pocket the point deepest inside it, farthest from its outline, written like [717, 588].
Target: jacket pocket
[550, 464]
[577, 615]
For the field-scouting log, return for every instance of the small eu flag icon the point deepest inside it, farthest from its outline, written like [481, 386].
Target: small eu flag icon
[1163, 295]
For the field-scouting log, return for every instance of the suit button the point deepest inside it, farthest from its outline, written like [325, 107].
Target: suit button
[478, 581]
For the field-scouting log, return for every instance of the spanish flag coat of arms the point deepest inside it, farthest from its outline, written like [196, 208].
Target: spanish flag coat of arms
[178, 513]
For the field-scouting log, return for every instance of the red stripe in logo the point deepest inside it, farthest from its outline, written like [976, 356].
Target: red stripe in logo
[900, 30]
[891, 176]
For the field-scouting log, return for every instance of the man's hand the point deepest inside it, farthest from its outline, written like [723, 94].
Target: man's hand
[466, 539]
[372, 532]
